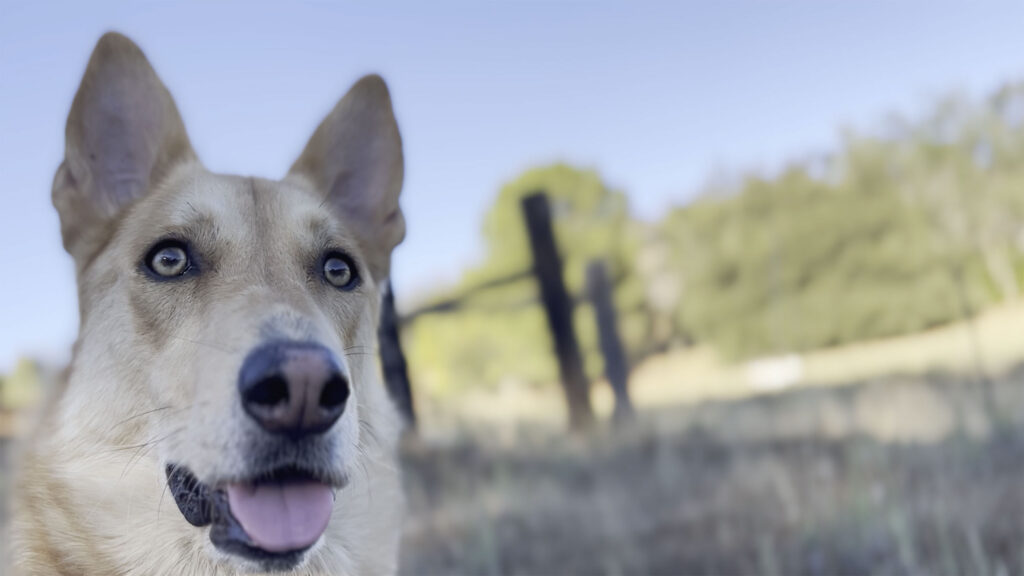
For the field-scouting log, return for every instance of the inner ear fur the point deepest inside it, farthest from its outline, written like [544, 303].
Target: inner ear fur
[355, 159]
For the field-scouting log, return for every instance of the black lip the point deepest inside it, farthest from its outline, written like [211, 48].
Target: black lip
[194, 499]
[202, 506]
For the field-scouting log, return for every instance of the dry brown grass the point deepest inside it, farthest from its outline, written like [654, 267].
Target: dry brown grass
[756, 486]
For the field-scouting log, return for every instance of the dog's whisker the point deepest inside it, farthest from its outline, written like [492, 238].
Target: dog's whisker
[130, 460]
[366, 474]
[366, 455]
[163, 492]
[146, 443]
[146, 413]
[388, 466]
[145, 448]
[371, 433]
[136, 458]
[206, 344]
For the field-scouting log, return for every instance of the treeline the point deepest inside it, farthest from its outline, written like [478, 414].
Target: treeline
[896, 232]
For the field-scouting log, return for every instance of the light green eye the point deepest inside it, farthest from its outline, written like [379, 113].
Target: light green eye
[339, 272]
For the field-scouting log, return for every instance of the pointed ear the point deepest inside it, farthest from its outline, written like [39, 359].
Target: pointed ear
[355, 159]
[123, 135]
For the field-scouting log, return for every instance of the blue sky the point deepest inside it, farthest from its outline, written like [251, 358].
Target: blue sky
[657, 96]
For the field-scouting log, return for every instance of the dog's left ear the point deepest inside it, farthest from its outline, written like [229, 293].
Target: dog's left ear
[355, 159]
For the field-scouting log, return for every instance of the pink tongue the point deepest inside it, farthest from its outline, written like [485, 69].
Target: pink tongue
[282, 517]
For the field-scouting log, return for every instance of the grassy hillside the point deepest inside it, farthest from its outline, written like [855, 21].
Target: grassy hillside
[689, 376]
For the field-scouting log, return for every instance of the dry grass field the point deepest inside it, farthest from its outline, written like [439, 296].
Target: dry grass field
[755, 486]
[901, 456]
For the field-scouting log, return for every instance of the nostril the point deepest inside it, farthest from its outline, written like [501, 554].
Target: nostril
[270, 391]
[293, 388]
[335, 393]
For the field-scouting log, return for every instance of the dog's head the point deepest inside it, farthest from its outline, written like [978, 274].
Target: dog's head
[228, 323]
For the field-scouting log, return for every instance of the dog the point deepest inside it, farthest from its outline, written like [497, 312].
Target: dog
[223, 411]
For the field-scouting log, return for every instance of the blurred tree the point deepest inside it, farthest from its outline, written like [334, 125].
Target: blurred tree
[501, 334]
[22, 387]
[918, 225]
[901, 233]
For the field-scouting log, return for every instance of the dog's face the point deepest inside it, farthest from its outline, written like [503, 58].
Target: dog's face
[229, 322]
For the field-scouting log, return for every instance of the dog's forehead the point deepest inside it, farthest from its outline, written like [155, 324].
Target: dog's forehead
[196, 196]
[233, 201]
[236, 208]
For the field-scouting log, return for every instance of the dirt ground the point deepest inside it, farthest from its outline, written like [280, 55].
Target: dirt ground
[884, 477]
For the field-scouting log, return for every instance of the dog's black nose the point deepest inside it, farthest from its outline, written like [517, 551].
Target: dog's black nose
[293, 388]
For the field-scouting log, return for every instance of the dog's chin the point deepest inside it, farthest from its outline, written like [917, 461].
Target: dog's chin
[270, 520]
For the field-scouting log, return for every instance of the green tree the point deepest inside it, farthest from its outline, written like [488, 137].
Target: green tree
[502, 333]
[916, 226]
[22, 387]
[899, 233]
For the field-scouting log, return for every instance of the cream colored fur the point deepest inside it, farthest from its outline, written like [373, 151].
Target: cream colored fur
[154, 368]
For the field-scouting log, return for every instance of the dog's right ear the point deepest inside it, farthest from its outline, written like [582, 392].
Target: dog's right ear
[354, 158]
[123, 135]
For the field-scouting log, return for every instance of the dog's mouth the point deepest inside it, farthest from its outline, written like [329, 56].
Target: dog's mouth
[272, 518]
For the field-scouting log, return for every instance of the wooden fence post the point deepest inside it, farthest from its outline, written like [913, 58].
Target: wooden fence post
[616, 367]
[548, 267]
[392, 358]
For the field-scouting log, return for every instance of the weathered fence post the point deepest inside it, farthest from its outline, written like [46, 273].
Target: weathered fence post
[392, 359]
[548, 267]
[616, 367]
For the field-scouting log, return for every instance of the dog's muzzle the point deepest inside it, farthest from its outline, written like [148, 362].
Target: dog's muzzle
[294, 392]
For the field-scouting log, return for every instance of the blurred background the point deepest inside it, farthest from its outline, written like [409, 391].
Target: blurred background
[781, 245]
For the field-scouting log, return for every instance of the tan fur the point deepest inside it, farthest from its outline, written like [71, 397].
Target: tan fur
[153, 373]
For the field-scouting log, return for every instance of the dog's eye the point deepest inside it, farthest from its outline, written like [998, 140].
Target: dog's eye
[168, 259]
[339, 271]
